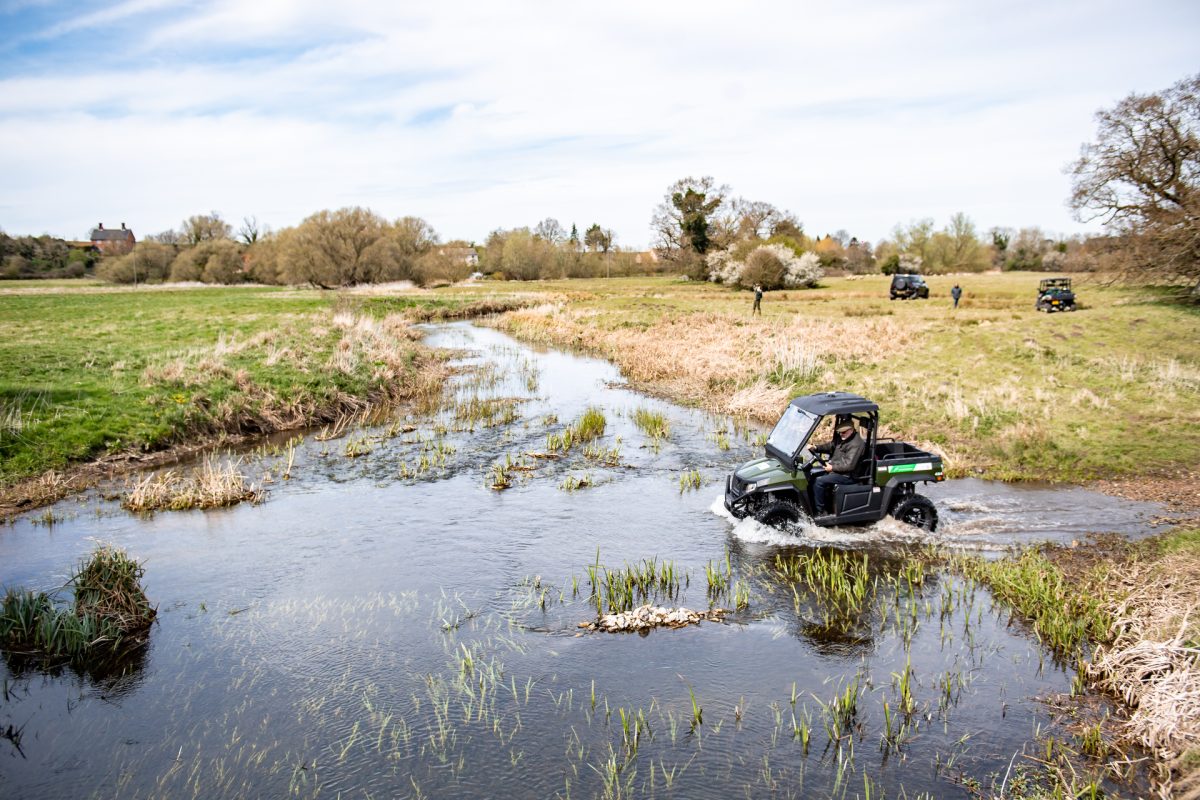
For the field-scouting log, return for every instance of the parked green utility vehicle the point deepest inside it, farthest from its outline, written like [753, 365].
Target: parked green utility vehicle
[777, 489]
[1054, 294]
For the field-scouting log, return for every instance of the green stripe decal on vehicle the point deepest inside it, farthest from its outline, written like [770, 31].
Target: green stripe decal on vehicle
[909, 467]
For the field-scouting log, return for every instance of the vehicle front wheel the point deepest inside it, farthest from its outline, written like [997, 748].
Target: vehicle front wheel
[918, 511]
[779, 514]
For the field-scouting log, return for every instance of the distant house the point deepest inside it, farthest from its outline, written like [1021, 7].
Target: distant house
[113, 242]
[463, 255]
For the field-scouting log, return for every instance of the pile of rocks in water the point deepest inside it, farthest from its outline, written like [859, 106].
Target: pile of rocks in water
[643, 618]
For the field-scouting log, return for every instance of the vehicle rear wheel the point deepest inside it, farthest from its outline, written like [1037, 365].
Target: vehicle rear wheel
[779, 513]
[918, 511]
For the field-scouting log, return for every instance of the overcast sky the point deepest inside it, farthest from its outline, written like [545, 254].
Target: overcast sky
[479, 115]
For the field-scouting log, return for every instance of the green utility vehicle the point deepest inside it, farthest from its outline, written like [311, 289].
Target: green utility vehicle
[1054, 294]
[777, 489]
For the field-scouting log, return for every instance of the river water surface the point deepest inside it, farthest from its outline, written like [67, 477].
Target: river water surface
[386, 624]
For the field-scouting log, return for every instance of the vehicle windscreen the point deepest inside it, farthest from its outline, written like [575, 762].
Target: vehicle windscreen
[792, 430]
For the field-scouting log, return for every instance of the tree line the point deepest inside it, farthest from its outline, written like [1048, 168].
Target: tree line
[42, 257]
[352, 246]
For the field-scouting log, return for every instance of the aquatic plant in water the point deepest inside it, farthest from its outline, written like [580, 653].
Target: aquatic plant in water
[109, 610]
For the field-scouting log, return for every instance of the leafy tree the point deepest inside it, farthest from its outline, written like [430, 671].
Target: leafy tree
[598, 239]
[1141, 177]
[681, 222]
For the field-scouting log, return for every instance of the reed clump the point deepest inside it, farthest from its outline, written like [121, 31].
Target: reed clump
[841, 580]
[590, 425]
[1063, 617]
[621, 589]
[213, 485]
[690, 480]
[653, 423]
[109, 611]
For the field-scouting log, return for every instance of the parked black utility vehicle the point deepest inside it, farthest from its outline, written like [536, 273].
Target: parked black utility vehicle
[1054, 294]
[905, 287]
[777, 489]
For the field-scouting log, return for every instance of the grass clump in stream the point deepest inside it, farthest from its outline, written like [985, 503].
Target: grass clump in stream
[589, 426]
[1065, 618]
[213, 485]
[653, 423]
[109, 611]
[621, 589]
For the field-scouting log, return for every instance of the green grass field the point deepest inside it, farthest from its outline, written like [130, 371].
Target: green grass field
[1111, 390]
[87, 371]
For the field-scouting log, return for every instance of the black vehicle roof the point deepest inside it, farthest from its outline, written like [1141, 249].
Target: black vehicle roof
[1056, 282]
[824, 403]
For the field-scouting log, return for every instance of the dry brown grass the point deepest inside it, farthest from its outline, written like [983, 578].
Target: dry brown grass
[724, 361]
[1153, 663]
[213, 485]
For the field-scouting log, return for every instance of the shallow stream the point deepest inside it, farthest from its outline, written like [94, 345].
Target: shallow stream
[387, 624]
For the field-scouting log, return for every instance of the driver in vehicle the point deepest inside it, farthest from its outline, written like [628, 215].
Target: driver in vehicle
[845, 450]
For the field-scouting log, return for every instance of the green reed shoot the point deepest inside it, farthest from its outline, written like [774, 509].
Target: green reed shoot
[690, 480]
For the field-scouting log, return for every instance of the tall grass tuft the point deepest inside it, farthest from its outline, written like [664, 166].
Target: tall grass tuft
[213, 485]
[653, 423]
[110, 611]
[589, 426]
[1063, 617]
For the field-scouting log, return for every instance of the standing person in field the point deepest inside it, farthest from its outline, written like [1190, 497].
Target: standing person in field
[956, 293]
[757, 300]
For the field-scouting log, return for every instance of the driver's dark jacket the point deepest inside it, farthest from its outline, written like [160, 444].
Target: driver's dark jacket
[844, 454]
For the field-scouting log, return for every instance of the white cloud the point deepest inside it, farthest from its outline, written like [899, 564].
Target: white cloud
[482, 115]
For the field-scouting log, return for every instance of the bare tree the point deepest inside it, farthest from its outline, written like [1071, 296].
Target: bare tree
[205, 228]
[251, 231]
[1141, 178]
[551, 230]
[338, 248]
[755, 219]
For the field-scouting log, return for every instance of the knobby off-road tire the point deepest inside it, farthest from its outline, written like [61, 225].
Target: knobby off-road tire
[918, 511]
[779, 513]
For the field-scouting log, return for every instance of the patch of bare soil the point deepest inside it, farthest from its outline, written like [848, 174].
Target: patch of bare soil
[1179, 491]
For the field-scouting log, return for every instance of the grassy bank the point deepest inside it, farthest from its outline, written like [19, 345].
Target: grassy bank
[1001, 390]
[1127, 613]
[90, 373]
